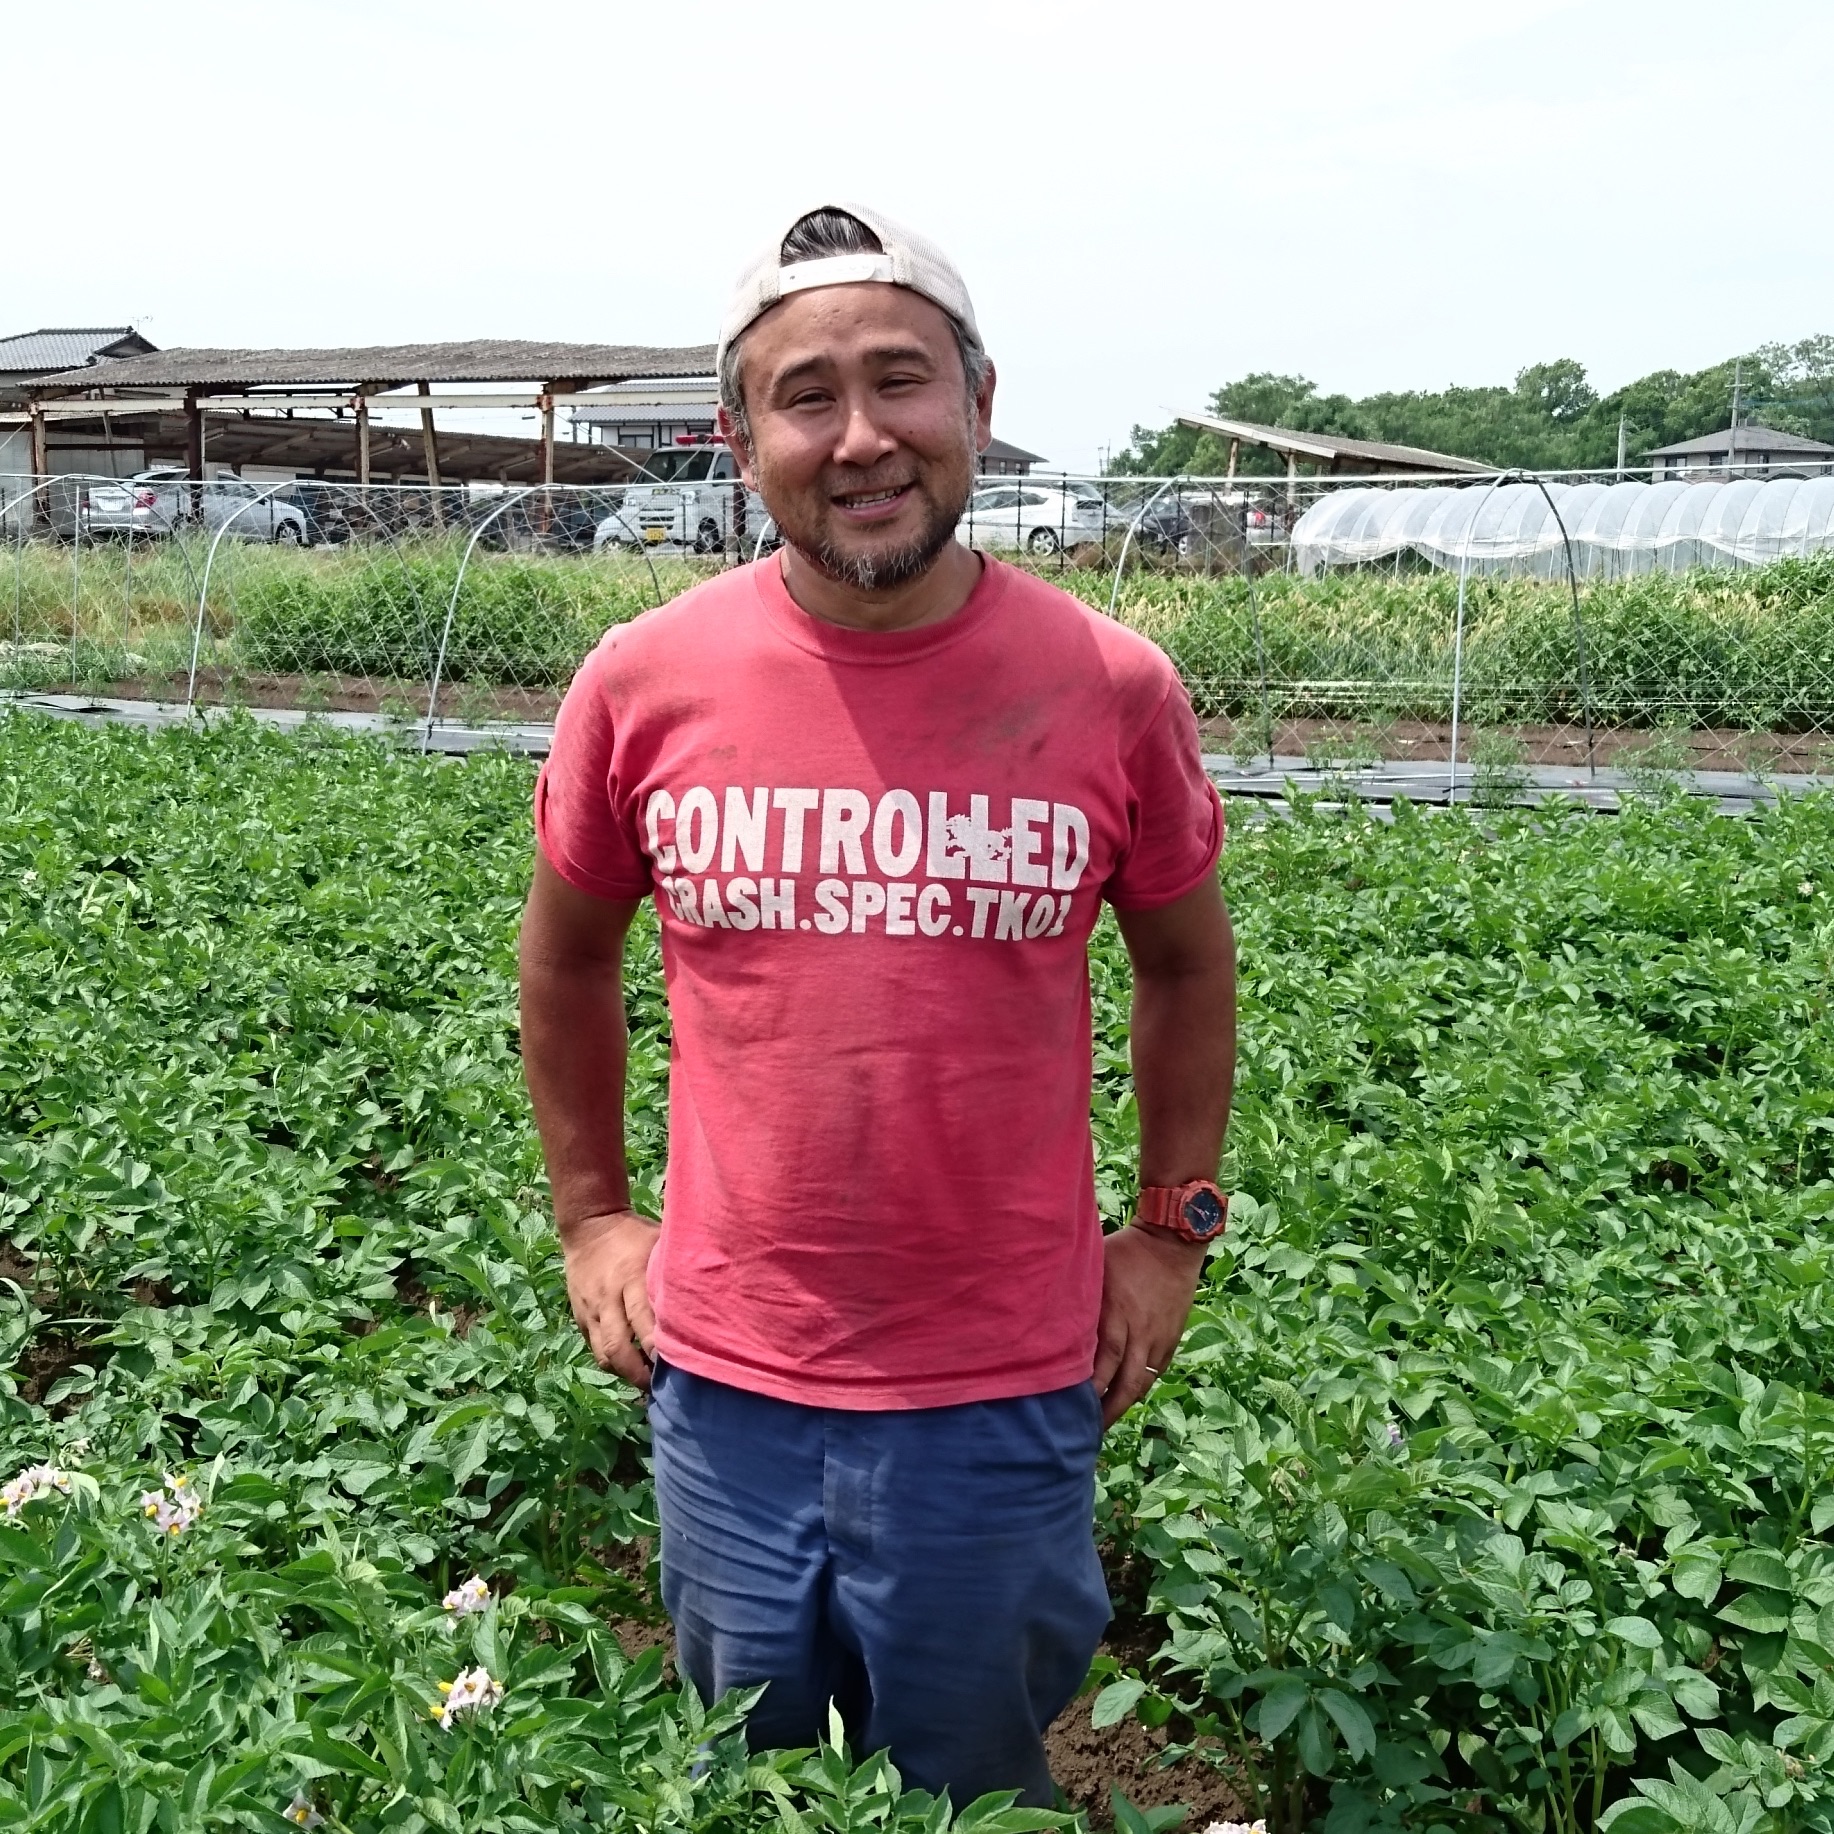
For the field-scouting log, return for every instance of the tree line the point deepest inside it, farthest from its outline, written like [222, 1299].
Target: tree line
[1551, 419]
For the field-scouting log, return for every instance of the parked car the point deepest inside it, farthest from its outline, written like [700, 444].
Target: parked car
[690, 497]
[161, 500]
[562, 522]
[1036, 518]
[327, 510]
[1164, 527]
[1206, 522]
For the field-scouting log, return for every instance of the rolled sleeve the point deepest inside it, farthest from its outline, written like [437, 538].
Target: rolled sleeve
[1175, 816]
[577, 819]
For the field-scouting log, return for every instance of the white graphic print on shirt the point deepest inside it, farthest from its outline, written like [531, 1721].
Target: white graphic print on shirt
[1016, 881]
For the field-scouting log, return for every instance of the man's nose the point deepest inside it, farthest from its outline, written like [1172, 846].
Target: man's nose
[863, 441]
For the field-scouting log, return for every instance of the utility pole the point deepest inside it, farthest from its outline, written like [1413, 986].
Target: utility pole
[1738, 367]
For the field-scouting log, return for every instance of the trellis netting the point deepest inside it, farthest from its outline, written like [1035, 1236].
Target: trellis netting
[1616, 528]
[468, 606]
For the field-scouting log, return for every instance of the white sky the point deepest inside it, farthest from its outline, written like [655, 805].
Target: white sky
[1146, 199]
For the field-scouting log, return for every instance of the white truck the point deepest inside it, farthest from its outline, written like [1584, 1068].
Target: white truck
[686, 498]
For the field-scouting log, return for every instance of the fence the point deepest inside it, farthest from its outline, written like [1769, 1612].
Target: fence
[477, 605]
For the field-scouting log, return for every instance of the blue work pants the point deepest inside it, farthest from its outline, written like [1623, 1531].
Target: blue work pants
[931, 1571]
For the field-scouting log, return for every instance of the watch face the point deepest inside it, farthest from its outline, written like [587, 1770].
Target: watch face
[1203, 1214]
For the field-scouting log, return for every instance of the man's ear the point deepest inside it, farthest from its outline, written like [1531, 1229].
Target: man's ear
[983, 411]
[741, 452]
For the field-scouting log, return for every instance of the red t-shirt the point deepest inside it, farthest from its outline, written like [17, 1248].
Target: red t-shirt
[877, 860]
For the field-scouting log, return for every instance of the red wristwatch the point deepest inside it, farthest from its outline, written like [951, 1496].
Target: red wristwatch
[1195, 1212]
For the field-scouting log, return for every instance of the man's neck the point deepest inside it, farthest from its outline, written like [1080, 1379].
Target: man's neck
[932, 597]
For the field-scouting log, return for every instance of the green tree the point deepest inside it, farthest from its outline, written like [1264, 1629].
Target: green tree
[1551, 419]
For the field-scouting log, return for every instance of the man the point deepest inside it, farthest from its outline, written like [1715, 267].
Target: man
[878, 785]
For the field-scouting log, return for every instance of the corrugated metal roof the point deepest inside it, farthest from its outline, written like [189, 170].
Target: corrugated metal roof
[1330, 447]
[308, 445]
[43, 353]
[1746, 438]
[647, 401]
[686, 388]
[486, 360]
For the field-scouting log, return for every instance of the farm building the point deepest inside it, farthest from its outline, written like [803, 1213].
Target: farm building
[1328, 453]
[1007, 461]
[1756, 452]
[30, 356]
[116, 409]
[310, 412]
[640, 416]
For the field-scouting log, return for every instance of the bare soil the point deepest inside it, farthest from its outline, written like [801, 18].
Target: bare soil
[1088, 1763]
[48, 1356]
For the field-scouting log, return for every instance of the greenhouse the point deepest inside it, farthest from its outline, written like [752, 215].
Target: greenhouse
[1616, 528]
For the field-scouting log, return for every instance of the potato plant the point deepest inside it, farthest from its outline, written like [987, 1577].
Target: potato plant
[1492, 1490]
[1493, 1485]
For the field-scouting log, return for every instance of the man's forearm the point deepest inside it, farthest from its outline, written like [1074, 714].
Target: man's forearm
[574, 1047]
[1183, 1043]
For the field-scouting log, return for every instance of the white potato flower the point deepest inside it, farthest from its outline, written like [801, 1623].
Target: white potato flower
[32, 1483]
[471, 1690]
[173, 1509]
[301, 1812]
[469, 1599]
[1236, 1827]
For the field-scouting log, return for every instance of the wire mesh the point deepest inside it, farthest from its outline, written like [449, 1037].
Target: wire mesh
[477, 604]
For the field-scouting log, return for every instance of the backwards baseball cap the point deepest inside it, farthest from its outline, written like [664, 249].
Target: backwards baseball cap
[906, 260]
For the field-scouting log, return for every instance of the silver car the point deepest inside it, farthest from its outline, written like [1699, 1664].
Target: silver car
[159, 501]
[1038, 518]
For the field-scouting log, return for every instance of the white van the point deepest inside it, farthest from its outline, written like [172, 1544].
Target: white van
[686, 497]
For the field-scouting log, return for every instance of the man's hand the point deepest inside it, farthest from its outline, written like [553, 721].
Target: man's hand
[608, 1261]
[1148, 1281]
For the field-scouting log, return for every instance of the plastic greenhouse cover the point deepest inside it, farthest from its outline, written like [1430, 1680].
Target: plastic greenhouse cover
[1619, 527]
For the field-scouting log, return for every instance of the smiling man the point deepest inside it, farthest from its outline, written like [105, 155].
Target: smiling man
[879, 786]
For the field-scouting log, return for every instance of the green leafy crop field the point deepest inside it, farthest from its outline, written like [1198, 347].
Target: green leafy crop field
[1493, 1488]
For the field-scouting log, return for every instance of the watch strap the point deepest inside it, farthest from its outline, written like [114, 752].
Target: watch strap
[1158, 1205]
[1162, 1207]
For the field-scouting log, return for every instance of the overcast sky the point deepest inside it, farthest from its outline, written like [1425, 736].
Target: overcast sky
[1146, 199]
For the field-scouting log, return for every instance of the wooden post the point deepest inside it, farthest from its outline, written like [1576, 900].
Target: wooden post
[1292, 477]
[547, 437]
[363, 441]
[429, 445]
[1235, 452]
[194, 452]
[39, 462]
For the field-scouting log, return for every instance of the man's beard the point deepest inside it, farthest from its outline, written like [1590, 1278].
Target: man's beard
[888, 569]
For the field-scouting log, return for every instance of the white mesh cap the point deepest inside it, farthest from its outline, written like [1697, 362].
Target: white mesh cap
[909, 260]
